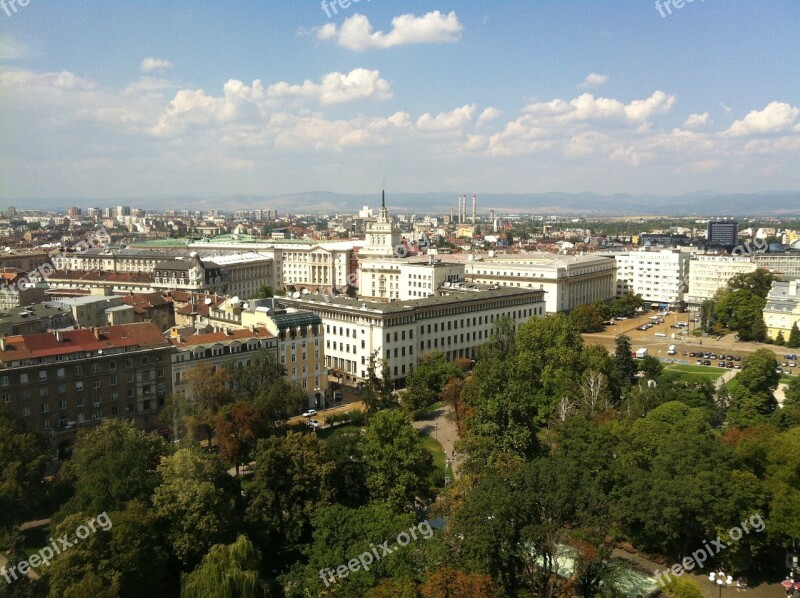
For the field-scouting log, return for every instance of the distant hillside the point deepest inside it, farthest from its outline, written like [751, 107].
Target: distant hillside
[773, 203]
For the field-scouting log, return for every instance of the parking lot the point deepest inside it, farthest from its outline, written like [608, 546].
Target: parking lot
[660, 336]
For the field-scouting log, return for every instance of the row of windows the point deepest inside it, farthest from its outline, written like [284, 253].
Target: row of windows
[78, 370]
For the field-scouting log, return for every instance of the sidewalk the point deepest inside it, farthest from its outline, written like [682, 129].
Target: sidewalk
[439, 425]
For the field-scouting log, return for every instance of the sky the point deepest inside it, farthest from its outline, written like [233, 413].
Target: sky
[107, 100]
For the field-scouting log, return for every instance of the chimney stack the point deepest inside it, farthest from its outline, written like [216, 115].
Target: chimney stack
[474, 208]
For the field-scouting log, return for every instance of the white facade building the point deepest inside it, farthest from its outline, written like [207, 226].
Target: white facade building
[399, 332]
[710, 273]
[660, 277]
[568, 281]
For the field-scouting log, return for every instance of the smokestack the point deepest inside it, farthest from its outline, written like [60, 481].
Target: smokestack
[474, 208]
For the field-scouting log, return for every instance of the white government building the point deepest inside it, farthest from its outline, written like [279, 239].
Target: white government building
[568, 281]
[455, 324]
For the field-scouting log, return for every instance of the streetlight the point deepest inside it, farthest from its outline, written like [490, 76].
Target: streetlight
[721, 579]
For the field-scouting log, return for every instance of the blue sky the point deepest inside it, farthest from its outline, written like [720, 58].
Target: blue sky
[115, 99]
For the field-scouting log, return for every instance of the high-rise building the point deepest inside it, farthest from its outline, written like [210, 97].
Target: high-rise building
[725, 232]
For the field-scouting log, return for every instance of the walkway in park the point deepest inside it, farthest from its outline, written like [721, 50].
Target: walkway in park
[440, 425]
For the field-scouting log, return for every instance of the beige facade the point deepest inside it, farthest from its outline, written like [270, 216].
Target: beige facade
[782, 310]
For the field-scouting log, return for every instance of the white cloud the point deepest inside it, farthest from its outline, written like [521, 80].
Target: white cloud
[336, 88]
[446, 121]
[155, 64]
[488, 115]
[594, 80]
[357, 33]
[726, 109]
[776, 117]
[697, 120]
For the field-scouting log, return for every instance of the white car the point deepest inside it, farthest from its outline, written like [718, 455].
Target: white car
[314, 423]
[310, 413]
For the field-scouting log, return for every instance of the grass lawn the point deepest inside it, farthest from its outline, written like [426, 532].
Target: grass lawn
[702, 372]
[328, 433]
[431, 445]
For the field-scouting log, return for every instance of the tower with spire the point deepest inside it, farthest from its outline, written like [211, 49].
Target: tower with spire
[383, 238]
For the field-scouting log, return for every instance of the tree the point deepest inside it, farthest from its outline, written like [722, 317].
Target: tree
[594, 388]
[759, 282]
[453, 583]
[794, 337]
[586, 318]
[741, 310]
[239, 426]
[22, 586]
[264, 292]
[196, 501]
[23, 460]
[652, 367]
[398, 467]
[502, 342]
[759, 371]
[112, 465]
[427, 380]
[682, 587]
[380, 389]
[292, 479]
[126, 558]
[209, 390]
[341, 534]
[624, 365]
[349, 477]
[227, 570]
[258, 377]
[280, 402]
[780, 340]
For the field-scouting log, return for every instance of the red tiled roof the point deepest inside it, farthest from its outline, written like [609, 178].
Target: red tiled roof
[29, 346]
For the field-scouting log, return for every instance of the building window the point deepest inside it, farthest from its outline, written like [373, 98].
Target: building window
[23, 378]
[79, 386]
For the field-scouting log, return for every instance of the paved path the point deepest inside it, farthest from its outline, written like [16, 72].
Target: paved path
[708, 589]
[441, 426]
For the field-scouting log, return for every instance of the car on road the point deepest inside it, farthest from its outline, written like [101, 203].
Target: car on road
[310, 413]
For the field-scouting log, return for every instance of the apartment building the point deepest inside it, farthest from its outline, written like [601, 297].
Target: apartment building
[711, 273]
[782, 310]
[63, 381]
[455, 324]
[567, 281]
[660, 277]
[234, 346]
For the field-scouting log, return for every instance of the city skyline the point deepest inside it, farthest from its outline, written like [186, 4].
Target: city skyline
[110, 101]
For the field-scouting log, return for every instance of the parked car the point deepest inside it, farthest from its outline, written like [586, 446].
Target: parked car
[729, 358]
[707, 362]
[310, 413]
[729, 365]
[721, 364]
[699, 362]
[314, 423]
[779, 371]
[737, 358]
[737, 366]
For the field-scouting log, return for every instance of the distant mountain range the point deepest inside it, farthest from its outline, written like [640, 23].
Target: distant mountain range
[773, 203]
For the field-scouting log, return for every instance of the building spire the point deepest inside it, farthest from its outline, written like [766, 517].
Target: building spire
[383, 198]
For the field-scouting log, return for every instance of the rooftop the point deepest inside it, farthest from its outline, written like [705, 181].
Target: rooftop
[459, 294]
[84, 340]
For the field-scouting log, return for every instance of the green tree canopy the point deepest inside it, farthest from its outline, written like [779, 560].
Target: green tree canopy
[111, 465]
[196, 501]
[398, 467]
